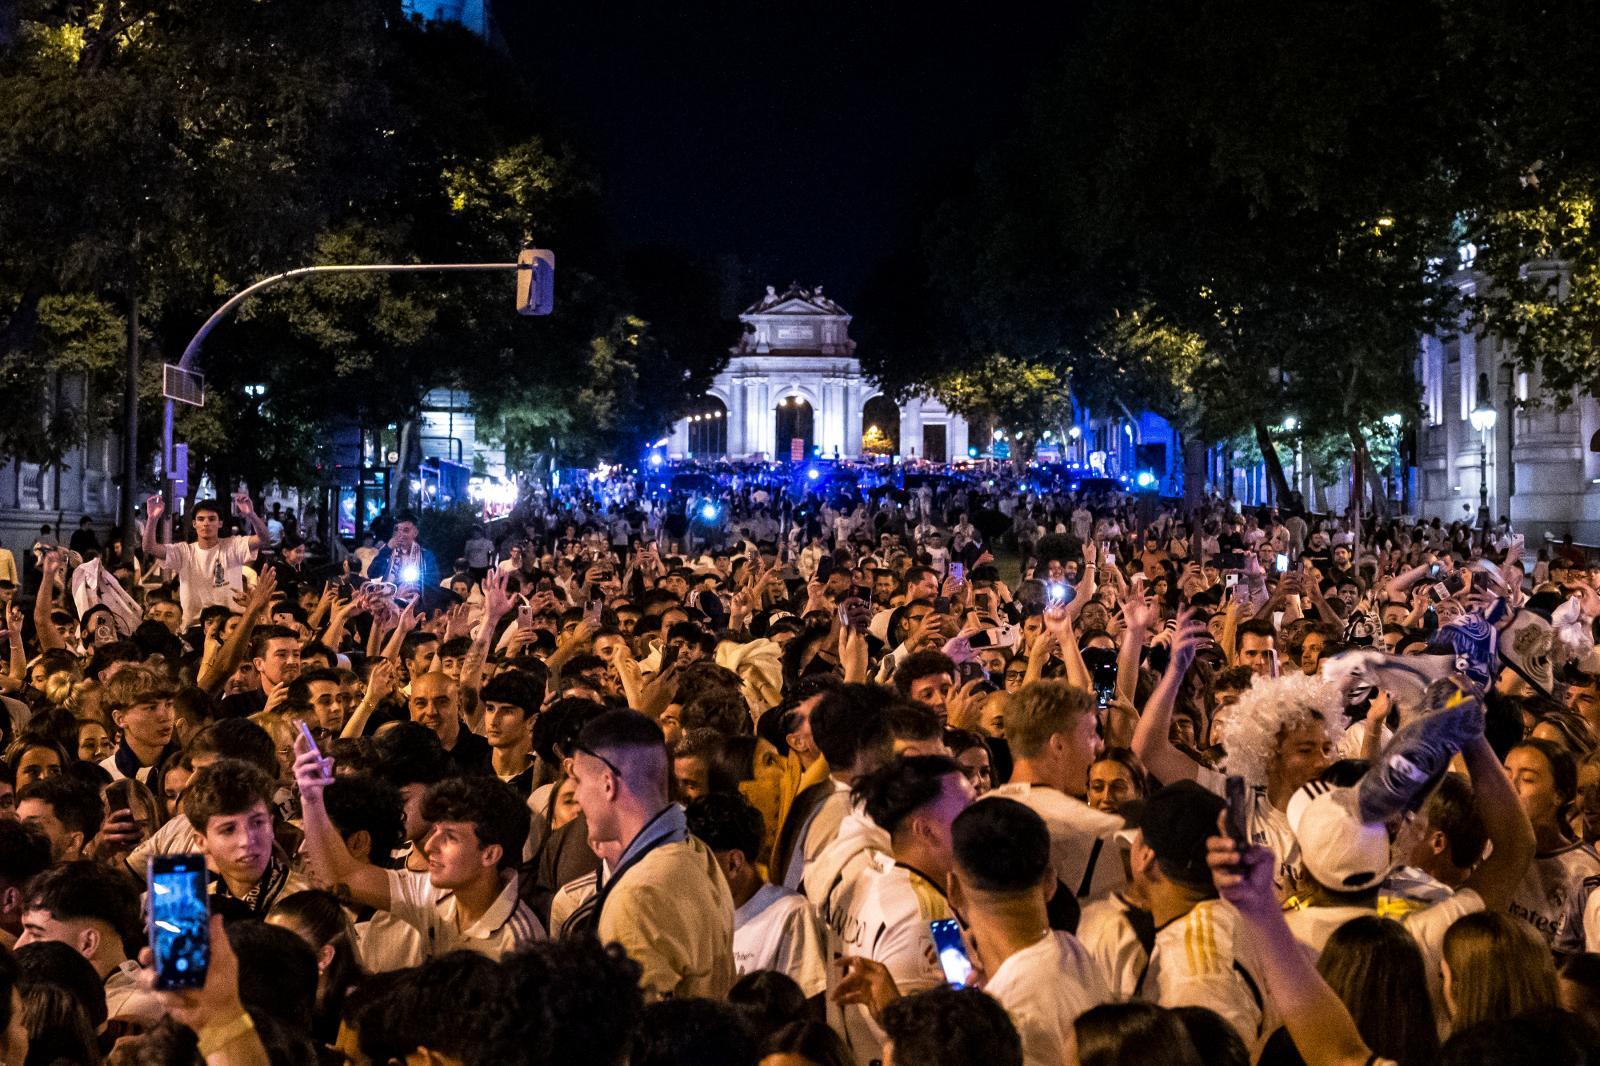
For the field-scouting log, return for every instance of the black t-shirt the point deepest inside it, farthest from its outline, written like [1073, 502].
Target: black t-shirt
[242, 704]
[472, 753]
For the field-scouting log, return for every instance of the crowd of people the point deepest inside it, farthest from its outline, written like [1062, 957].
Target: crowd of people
[973, 770]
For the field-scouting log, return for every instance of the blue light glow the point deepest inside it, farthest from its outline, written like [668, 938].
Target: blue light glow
[1146, 479]
[813, 473]
[655, 458]
[708, 511]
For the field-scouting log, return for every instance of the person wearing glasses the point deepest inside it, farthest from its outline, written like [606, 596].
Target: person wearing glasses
[663, 898]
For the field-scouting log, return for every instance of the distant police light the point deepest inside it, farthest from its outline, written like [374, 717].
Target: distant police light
[708, 511]
[813, 473]
[655, 458]
[1146, 479]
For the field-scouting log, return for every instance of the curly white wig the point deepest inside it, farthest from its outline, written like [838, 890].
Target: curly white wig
[1270, 707]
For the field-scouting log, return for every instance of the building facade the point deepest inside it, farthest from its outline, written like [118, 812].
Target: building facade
[84, 482]
[793, 389]
[1536, 461]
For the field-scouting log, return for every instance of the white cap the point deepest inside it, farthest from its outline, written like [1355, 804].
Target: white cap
[1338, 849]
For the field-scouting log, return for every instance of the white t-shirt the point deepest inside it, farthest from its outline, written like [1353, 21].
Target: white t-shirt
[208, 577]
[1113, 943]
[1082, 845]
[1541, 899]
[778, 930]
[507, 925]
[1044, 988]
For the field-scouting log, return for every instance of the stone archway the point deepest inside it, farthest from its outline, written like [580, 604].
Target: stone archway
[708, 429]
[880, 427]
[795, 420]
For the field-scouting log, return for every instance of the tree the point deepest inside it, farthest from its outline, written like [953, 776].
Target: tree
[1020, 398]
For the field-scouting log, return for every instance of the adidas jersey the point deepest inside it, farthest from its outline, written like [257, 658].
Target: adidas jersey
[1118, 936]
[1206, 959]
[1082, 848]
[886, 919]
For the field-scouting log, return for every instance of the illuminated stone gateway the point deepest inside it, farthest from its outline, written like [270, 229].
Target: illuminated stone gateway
[793, 387]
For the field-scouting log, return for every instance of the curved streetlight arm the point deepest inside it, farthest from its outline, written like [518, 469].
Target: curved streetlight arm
[192, 350]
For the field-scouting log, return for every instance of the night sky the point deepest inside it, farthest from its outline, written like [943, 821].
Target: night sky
[802, 139]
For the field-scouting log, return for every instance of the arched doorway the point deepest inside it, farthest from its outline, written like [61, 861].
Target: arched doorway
[880, 427]
[795, 422]
[708, 429]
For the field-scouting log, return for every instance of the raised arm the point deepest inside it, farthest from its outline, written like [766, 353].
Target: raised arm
[44, 604]
[16, 675]
[379, 682]
[497, 604]
[1511, 840]
[1139, 615]
[215, 673]
[1317, 1019]
[1152, 738]
[1066, 638]
[259, 534]
[154, 508]
[325, 849]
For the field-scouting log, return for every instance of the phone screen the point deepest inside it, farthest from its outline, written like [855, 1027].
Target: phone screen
[958, 572]
[1238, 811]
[1058, 594]
[952, 951]
[180, 920]
[1282, 563]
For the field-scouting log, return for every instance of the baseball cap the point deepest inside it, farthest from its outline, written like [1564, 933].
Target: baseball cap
[1341, 851]
[1176, 820]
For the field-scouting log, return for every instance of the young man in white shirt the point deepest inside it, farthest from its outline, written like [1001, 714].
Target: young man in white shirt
[211, 569]
[1203, 956]
[773, 928]
[1053, 734]
[1000, 882]
[915, 799]
[468, 898]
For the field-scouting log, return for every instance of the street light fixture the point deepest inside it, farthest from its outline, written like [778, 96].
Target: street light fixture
[1483, 418]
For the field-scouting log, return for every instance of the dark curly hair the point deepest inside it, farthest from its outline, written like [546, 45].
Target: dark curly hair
[497, 814]
[566, 1001]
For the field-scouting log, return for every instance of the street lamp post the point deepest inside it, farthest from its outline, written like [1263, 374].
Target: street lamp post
[1483, 419]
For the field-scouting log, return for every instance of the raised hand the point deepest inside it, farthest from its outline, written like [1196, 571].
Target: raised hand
[154, 507]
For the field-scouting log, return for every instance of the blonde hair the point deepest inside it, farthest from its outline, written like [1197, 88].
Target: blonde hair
[1271, 707]
[1039, 711]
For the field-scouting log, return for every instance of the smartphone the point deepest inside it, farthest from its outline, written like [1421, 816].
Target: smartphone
[958, 573]
[1059, 594]
[1104, 691]
[1443, 590]
[1519, 540]
[1238, 810]
[1281, 564]
[1435, 570]
[952, 951]
[941, 604]
[591, 614]
[1229, 580]
[305, 731]
[180, 920]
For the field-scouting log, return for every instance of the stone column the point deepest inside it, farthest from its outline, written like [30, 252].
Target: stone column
[735, 417]
[830, 432]
[852, 418]
[911, 427]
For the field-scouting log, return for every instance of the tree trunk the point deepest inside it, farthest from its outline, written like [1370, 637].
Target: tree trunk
[1368, 478]
[1194, 474]
[1280, 482]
